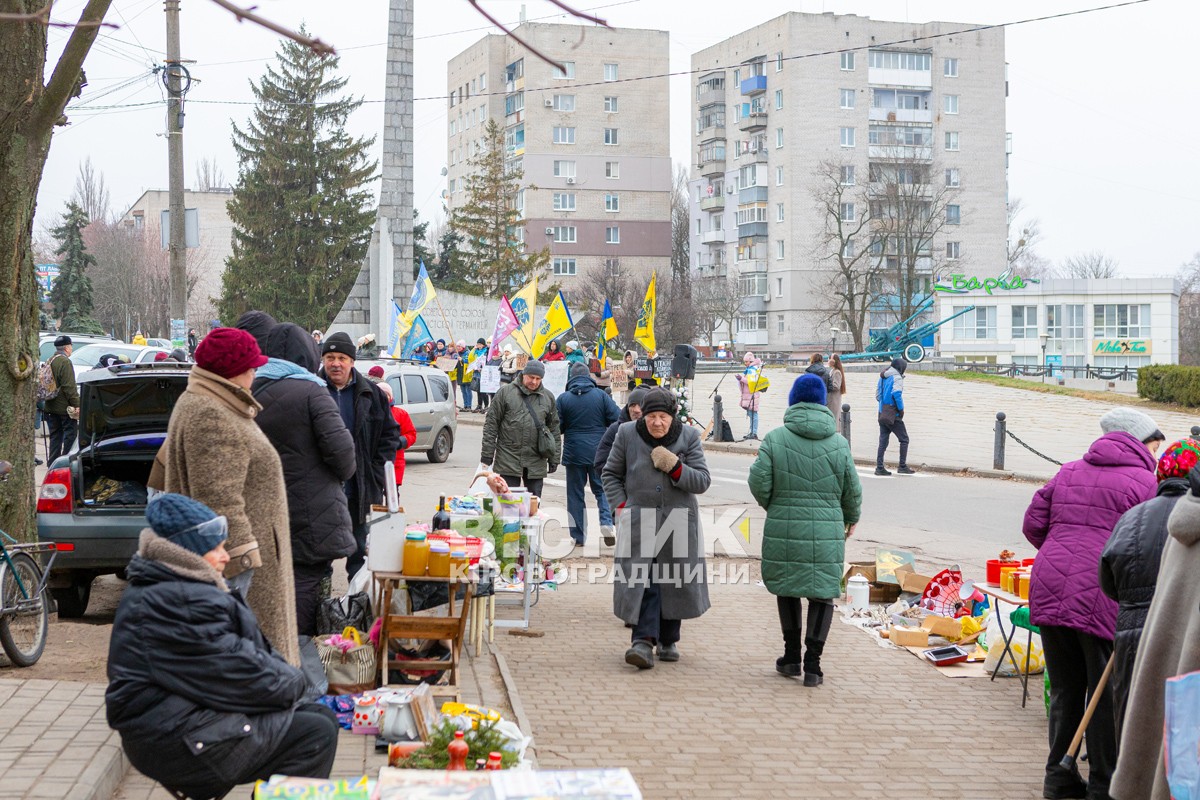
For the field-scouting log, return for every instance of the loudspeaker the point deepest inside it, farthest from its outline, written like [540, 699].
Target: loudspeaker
[684, 363]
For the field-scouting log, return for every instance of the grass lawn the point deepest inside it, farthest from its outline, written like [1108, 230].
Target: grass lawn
[1053, 388]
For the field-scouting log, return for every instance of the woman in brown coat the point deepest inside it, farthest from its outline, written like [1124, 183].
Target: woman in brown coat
[215, 453]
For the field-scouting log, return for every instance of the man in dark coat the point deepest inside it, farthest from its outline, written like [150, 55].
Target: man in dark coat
[62, 410]
[584, 413]
[512, 440]
[201, 700]
[258, 324]
[368, 416]
[317, 451]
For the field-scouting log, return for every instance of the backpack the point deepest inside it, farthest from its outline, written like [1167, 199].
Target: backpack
[47, 388]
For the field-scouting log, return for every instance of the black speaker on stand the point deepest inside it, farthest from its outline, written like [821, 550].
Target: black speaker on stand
[683, 365]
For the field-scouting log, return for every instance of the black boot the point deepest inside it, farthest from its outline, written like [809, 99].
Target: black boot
[820, 615]
[789, 621]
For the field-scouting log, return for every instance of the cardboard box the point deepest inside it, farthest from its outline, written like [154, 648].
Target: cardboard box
[942, 626]
[910, 580]
[880, 592]
[910, 637]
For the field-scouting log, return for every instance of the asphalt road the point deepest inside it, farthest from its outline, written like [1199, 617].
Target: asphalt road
[943, 519]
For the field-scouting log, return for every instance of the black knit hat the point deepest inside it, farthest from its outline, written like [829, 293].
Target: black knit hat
[62, 341]
[659, 399]
[339, 343]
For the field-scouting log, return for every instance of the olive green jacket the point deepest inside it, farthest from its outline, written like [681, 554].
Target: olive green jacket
[68, 390]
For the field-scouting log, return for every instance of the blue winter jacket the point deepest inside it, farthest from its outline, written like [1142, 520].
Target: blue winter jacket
[891, 389]
[584, 412]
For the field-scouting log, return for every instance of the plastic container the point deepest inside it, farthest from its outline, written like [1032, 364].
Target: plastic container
[439, 560]
[460, 562]
[1027, 562]
[416, 555]
[993, 569]
[386, 551]
[858, 593]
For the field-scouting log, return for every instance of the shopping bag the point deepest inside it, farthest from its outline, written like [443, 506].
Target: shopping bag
[1181, 736]
[1020, 645]
[338, 613]
[349, 664]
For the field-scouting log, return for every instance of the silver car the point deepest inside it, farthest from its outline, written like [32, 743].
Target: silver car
[426, 394]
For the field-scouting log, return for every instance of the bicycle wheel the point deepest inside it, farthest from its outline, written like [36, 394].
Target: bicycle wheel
[24, 620]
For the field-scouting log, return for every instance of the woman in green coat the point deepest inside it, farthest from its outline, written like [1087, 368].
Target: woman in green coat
[805, 479]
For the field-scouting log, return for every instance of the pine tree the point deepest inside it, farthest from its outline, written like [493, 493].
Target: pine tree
[301, 206]
[489, 221]
[71, 292]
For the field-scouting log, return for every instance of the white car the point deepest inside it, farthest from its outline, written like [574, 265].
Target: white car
[87, 357]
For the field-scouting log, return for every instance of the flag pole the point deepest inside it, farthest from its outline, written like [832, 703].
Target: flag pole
[445, 321]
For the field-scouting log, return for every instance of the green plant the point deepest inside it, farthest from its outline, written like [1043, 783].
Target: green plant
[483, 740]
[1170, 383]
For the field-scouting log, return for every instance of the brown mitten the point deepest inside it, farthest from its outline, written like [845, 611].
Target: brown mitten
[664, 459]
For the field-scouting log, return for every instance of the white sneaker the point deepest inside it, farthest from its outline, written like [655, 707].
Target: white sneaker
[609, 534]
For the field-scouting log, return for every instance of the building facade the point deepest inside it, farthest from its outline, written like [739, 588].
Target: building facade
[800, 157]
[594, 143]
[1099, 322]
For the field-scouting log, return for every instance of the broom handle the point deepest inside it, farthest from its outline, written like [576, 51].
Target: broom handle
[1091, 709]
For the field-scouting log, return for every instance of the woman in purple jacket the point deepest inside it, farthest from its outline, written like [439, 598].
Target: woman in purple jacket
[1069, 522]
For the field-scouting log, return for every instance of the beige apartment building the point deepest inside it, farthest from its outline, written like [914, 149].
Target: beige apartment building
[592, 140]
[886, 103]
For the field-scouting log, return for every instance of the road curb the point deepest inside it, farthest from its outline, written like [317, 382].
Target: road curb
[514, 702]
[469, 418]
[103, 774]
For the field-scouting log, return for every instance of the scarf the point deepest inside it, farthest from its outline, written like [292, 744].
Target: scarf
[277, 369]
[672, 436]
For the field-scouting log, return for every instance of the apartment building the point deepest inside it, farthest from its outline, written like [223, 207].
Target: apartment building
[591, 138]
[888, 109]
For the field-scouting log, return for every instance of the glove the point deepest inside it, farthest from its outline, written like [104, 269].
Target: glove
[551, 469]
[664, 460]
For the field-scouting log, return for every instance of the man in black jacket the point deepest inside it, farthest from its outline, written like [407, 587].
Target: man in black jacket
[368, 416]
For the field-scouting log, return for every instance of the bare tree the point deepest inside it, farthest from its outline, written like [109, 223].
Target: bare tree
[209, 176]
[1024, 235]
[1189, 312]
[91, 193]
[1092, 264]
[624, 291]
[719, 300]
[844, 247]
[677, 320]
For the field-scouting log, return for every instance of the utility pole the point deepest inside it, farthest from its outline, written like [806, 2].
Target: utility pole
[174, 76]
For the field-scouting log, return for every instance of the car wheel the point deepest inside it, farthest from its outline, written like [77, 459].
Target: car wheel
[443, 443]
[72, 601]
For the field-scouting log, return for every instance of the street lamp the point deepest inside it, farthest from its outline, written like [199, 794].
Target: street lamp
[833, 334]
[1043, 338]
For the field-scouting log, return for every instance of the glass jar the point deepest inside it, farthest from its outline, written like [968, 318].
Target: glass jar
[439, 560]
[416, 555]
[459, 564]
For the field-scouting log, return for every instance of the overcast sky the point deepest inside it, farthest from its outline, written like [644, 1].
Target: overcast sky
[1096, 104]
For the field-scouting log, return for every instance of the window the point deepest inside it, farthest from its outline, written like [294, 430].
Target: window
[779, 249]
[564, 266]
[779, 212]
[952, 177]
[564, 233]
[779, 176]
[894, 59]
[564, 169]
[564, 135]
[953, 215]
[847, 212]
[779, 293]
[950, 67]
[610, 136]
[847, 175]
[953, 250]
[483, 81]
[778, 99]
[612, 169]
[612, 202]
[613, 266]
[564, 201]
[414, 389]
[1024, 322]
[950, 103]
[612, 235]
[779, 321]
[977, 324]
[567, 72]
[952, 140]
[848, 248]
[1121, 321]
[610, 72]
[610, 105]
[779, 61]
[847, 62]
[778, 138]
[847, 98]
[847, 137]
[564, 102]
[754, 321]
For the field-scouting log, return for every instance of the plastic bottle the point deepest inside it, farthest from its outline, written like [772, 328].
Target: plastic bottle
[458, 750]
[441, 519]
[493, 761]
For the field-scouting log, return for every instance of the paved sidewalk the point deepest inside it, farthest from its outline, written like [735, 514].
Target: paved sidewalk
[721, 723]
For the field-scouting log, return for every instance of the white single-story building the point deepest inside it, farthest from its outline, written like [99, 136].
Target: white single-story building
[1115, 322]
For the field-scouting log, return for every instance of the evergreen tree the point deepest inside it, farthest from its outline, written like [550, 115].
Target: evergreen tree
[489, 221]
[301, 208]
[71, 292]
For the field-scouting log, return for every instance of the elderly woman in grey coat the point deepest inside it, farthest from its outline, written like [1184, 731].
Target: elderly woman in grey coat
[652, 476]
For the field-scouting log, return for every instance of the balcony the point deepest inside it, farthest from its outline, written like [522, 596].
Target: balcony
[752, 229]
[752, 303]
[751, 338]
[901, 115]
[752, 194]
[714, 202]
[710, 96]
[713, 237]
[754, 121]
[756, 156]
[713, 267]
[900, 152]
[915, 78]
[710, 131]
[755, 84]
[711, 165]
[753, 265]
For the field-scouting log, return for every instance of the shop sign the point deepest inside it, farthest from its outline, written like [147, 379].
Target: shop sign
[961, 284]
[1121, 347]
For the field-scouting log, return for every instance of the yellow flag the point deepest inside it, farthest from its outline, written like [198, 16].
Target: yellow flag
[524, 306]
[557, 322]
[645, 324]
[744, 528]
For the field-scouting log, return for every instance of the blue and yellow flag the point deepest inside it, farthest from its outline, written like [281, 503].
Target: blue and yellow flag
[417, 337]
[423, 292]
[608, 325]
[524, 307]
[397, 328]
[644, 333]
[557, 322]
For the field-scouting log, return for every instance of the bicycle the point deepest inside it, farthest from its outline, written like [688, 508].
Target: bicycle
[24, 605]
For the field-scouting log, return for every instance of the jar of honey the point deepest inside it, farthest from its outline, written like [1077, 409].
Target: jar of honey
[439, 560]
[416, 554]
[459, 564]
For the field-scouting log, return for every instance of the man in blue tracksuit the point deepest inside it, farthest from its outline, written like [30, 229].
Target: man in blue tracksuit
[890, 394]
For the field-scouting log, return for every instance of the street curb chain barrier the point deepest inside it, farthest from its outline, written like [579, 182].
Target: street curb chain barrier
[1002, 435]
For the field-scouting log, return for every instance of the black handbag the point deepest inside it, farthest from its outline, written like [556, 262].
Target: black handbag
[546, 446]
[335, 614]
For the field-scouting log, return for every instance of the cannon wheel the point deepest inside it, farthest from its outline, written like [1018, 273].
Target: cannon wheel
[914, 353]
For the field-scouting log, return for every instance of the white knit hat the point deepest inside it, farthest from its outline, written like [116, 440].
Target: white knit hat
[1133, 422]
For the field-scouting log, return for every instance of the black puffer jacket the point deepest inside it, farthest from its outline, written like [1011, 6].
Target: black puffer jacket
[1128, 574]
[376, 440]
[195, 690]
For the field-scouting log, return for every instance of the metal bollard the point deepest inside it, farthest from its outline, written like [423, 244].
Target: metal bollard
[998, 449]
[846, 422]
[718, 418]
